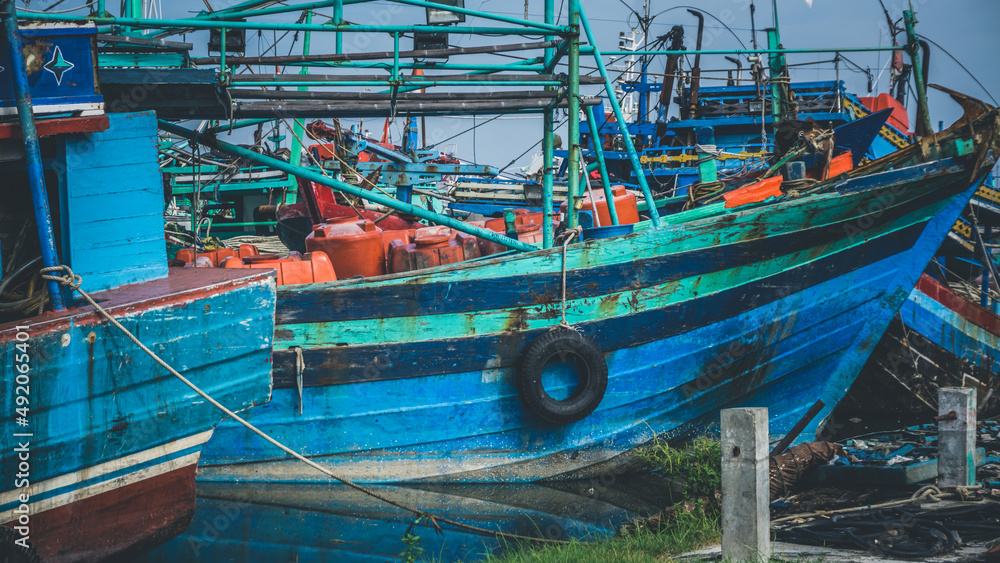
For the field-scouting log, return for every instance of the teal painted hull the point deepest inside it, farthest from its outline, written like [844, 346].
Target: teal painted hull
[411, 377]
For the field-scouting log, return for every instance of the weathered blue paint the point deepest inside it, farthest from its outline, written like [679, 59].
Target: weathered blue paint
[33, 152]
[60, 70]
[785, 330]
[103, 423]
[113, 194]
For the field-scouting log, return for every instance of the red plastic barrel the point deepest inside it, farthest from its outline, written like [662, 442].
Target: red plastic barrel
[354, 246]
[431, 246]
[217, 256]
[625, 204]
[311, 268]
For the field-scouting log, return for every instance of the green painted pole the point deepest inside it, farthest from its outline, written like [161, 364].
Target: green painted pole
[913, 46]
[609, 196]
[395, 58]
[237, 125]
[573, 126]
[295, 156]
[776, 64]
[708, 171]
[761, 52]
[548, 124]
[338, 18]
[486, 15]
[654, 215]
[373, 196]
[277, 26]
[411, 84]
[520, 66]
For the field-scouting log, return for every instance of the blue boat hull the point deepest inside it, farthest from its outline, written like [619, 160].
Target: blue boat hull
[939, 339]
[780, 328]
[101, 461]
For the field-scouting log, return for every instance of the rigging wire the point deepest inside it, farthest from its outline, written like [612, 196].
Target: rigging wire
[959, 63]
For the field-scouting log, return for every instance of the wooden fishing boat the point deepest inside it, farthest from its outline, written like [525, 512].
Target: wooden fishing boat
[100, 443]
[947, 333]
[939, 339]
[435, 375]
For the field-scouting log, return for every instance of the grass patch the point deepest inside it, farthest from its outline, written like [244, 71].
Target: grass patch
[695, 471]
[688, 531]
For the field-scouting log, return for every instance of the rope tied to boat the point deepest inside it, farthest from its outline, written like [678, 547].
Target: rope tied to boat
[68, 279]
[73, 281]
[568, 235]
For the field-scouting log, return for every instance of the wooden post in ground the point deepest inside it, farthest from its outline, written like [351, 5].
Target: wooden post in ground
[956, 436]
[745, 493]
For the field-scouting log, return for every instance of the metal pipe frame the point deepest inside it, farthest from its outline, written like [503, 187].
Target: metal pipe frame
[609, 196]
[654, 215]
[374, 197]
[375, 55]
[758, 52]
[230, 13]
[327, 28]
[548, 123]
[573, 97]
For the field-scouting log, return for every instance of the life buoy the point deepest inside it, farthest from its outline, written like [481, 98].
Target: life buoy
[12, 552]
[565, 346]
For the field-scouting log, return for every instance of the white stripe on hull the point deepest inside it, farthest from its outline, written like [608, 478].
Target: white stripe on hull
[103, 469]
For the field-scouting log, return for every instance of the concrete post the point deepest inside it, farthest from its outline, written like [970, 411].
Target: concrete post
[956, 436]
[746, 515]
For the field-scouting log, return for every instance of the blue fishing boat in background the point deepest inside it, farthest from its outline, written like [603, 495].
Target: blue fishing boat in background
[101, 444]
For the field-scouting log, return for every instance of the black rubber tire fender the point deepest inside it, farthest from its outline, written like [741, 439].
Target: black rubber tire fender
[593, 378]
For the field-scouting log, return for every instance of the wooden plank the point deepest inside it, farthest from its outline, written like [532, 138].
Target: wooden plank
[49, 127]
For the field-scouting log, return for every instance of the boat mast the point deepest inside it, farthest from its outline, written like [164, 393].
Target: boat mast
[573, 99]
[923, 126]
[776, 67]
[548, 123]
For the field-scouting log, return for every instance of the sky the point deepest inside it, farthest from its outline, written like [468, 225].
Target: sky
[967, 29]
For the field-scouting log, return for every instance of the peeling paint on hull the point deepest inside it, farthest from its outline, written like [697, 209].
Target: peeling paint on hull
[775, 306]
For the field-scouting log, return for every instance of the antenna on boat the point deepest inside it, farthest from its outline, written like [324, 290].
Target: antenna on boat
[753, 25]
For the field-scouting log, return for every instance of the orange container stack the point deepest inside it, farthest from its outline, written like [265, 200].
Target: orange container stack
[529, 230]
[431, 246]
[309, 268]
[625, 204]
[218, 256]
[354, 246]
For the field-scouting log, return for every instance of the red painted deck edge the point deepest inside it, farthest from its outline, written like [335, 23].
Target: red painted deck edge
[971, 312]
[122, 523]
[62, 126]
[182, 284]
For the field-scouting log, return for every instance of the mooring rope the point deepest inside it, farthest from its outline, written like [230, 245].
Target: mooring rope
[569, 235]
[73, 282]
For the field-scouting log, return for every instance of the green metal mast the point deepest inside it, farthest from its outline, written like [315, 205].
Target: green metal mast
[548, 123]
[297, 130]
[923, 127]
[573, 95]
